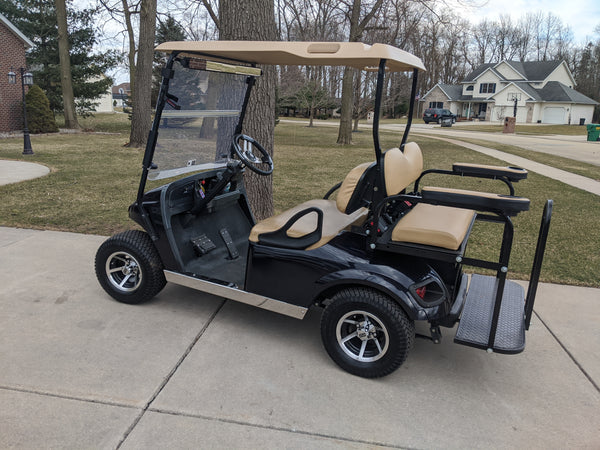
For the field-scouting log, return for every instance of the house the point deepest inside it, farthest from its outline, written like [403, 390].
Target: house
[538, 91]
[12, 57]
[120, 94]
[104, 104]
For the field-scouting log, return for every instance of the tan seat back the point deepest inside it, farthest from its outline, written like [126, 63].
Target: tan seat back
[349, 185]
[402, 168]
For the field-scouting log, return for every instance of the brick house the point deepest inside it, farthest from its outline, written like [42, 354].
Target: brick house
[14, 46]
[541, 91]
[121, 93]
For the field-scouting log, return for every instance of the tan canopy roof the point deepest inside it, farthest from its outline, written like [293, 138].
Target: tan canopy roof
[352, 54]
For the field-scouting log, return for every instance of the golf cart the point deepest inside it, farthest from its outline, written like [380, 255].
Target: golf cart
[377, 258]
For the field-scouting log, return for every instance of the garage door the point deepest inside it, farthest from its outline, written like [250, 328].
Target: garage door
[554, 115]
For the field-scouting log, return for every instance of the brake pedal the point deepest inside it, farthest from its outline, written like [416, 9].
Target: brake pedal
[202, 244]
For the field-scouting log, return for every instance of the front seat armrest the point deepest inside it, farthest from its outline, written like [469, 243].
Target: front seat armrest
[280, 237]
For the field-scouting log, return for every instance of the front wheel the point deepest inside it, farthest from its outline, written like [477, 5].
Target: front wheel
[129, 268]
[366, 333]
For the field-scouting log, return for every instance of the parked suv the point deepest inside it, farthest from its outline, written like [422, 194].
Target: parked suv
[437, 114]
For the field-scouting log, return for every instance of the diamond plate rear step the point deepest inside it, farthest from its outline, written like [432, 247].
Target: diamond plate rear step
[476, 319]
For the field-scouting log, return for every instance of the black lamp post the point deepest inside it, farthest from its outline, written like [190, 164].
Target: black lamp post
[26, 80]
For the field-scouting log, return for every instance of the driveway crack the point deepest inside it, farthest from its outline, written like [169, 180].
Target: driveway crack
[579, 366]
[169, 376]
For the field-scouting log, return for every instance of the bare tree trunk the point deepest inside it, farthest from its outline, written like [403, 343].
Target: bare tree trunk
[131, 40]
[142, 109]
[345, 131]
[357, 27]
[260, 115]
[357, 100]
[66, 80]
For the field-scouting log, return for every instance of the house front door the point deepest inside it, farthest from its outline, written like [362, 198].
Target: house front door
[482, 111]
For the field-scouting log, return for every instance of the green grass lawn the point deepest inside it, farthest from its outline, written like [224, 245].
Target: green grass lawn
[94, 178]
[103, 123]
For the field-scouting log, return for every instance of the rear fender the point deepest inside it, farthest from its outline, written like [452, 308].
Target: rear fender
[399, 291]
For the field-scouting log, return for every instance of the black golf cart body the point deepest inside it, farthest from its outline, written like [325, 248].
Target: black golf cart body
[378, 258]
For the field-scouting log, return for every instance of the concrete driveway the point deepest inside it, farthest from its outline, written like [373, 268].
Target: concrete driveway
[572, 147]
[187, 370]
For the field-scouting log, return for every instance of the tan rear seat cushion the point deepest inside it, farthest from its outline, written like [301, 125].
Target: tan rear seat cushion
[402, 168]
[439, 226]
[334, 221]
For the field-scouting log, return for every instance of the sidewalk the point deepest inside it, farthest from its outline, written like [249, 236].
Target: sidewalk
[15, 171]
[80, 370]
[578, 181]
[573, 147]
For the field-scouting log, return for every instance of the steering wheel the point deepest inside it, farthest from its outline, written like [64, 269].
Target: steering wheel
[249, 158]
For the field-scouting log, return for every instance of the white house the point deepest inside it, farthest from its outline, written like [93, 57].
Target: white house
[541, 91]
[105, 102]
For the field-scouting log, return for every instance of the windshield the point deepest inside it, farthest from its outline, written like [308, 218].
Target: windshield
[199, 119]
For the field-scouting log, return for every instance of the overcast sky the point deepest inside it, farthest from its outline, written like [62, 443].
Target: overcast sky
[583, 16]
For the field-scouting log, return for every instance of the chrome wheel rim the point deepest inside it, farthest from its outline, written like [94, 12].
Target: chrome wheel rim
[362, 336]
[123, 271]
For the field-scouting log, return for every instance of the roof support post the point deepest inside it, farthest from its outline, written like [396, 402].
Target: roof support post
[411, 107]
[377, 111]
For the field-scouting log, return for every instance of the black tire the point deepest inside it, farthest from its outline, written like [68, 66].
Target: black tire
[129, 268]
[366, 333]
[439, 121]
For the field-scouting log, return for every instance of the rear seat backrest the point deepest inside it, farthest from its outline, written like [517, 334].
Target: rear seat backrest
[400, 169]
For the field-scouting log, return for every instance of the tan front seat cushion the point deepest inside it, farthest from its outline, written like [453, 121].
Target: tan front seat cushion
[349, 184]
[334, 221]
[439, 226]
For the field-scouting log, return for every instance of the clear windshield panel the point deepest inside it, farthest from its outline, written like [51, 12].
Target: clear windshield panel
[199, 120]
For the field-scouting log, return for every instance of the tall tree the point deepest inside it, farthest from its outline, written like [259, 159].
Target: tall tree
[65, 66]
[312, 97]
[260, 115]
[142, 109]
[121, 11]
[587, 72]
[357, 27]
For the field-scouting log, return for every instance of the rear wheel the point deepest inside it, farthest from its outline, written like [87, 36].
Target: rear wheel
[366, 333]
[129, 268]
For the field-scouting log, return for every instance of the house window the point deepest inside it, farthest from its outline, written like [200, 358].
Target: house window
[487, 88]
[470, 88]
[436, 104]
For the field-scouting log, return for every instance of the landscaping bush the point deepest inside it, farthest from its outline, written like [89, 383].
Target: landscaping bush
[39, 116]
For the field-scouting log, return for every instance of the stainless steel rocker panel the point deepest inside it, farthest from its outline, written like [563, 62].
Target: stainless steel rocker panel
[298, 312]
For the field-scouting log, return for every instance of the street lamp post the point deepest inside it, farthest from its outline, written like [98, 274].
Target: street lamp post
[26, 80]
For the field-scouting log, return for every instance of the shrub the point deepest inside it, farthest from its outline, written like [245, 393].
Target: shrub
[39, 116]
